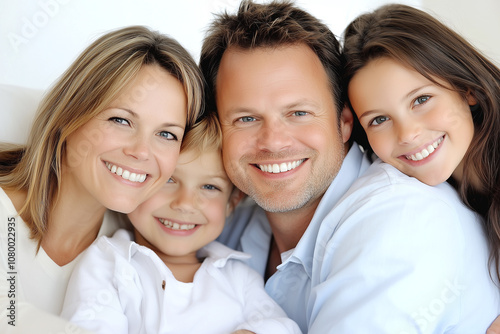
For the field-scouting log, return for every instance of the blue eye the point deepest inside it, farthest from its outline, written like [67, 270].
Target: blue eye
[246, 119]
[379, 120]
[210, 187]
[421, 99]
[119, 120]
[167, 135]
[301, 113]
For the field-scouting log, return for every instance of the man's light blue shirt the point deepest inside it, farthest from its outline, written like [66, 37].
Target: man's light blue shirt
[384, 253]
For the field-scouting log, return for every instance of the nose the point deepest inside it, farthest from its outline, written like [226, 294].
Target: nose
[274, 136]
[408, 131]
[138, 147]
[184, 200]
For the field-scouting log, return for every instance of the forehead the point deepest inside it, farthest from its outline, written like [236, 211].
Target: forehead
[200, 162]
[384, 78]
[246, 75]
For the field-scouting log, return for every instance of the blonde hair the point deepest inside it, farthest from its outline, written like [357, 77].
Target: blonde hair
[86, 88]
[204, 136]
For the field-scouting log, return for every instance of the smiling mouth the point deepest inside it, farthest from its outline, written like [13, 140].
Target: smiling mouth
[426, 151]
[176, 226]
[281, 168]
[125, 174]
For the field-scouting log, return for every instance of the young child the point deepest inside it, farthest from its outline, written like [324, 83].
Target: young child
[169, 275]
[429, 104]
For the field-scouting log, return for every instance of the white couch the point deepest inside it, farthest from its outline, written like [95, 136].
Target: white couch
[17, 109]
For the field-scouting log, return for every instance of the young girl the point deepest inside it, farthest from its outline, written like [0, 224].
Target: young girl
[107, 136]
[429, 103]
[169, 276]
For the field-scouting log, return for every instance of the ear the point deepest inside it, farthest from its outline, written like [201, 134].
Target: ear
[471, 100]
[346, 123]
[235, 197]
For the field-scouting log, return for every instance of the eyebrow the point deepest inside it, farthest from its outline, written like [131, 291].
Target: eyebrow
[413, 92]
[221, 177]
[368, 113]
[290, 106]
[301, 103]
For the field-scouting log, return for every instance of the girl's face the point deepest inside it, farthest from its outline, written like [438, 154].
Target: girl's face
[123, 155]
[419, 127]
[189, 211]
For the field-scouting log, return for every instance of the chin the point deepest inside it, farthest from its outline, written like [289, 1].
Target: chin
[123, 206]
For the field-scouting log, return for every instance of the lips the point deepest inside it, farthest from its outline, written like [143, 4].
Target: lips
[426, 151]
[125, 174]
[282, 167]
[176, 226]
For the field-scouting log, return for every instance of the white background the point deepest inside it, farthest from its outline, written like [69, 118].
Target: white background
[40, 38]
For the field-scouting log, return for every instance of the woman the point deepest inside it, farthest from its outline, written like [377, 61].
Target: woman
[107, 136]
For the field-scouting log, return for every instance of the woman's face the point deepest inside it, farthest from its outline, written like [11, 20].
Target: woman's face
[127, 152]
[419, 127]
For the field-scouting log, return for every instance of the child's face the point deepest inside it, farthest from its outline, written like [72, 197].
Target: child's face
[419, 127]
[189, 211]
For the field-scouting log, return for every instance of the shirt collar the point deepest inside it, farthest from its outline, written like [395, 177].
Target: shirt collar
[216, 252]
[354, 164]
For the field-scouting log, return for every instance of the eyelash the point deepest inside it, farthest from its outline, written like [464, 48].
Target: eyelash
[426, 97]
[210, 187]
[206, 186]
[121, 120]
[375, 118]
[246, 119]
[171, 134]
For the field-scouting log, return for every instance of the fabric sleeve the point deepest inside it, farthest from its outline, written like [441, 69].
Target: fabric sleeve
[394, 265]
[92, 299]
[262, 313]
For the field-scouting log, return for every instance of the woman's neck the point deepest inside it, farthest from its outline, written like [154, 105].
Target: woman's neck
[74, 223]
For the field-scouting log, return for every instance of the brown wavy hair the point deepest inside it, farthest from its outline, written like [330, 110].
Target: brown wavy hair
[419, 41]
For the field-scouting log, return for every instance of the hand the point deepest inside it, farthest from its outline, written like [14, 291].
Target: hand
[495, 327]
[244, 331]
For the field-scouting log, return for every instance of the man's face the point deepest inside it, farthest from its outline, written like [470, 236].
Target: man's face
[282, 143]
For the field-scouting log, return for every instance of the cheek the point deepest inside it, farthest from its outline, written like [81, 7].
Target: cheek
[457, 117]
[138, 217]
[234, 146]
[78, 149]
[146, 210]
[321, 136]
[381, 144]
[235, 142]
[167, 160]
[215, 212]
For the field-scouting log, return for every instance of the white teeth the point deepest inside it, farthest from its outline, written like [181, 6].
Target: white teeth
[280, 168]
[127, 175]
[176, 226]
[425, 152]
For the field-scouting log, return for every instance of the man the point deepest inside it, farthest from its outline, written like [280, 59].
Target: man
[383, 254]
